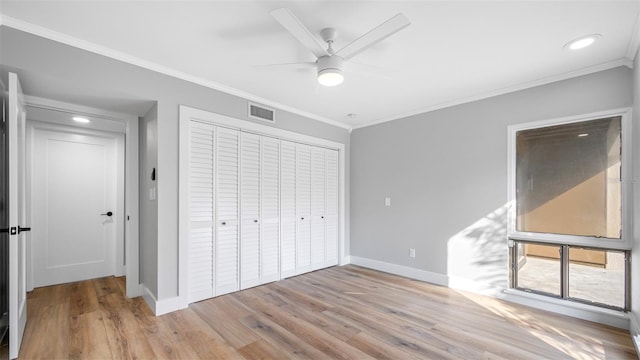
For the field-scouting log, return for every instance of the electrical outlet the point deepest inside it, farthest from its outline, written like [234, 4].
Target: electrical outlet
[412, 253]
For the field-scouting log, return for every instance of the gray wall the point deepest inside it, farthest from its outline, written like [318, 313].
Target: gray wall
[34, 56]
[635, 256]
[446, 174]
[148, 155]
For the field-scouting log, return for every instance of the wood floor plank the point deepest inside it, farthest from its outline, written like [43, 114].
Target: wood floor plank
[330, 346]
[88, 337]
[232, 330]
[259, 350]
[337, 313]
[125, 336]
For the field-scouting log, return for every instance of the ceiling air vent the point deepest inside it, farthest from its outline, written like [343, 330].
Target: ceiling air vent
[261, 113]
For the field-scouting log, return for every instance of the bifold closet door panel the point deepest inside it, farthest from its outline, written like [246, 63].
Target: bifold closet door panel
[318, 179]
[303, 208]
[250, 210]
[227, 207]
[201, 211]
[270, 210]
[332, 208]
[287, 208]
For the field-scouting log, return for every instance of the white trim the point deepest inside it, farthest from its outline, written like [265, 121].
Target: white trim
[130, 130]
[578, 310]
[634, 42]
[409, 272]
[187, 114]
[506, 90]
[634, 330]
[626, 242]
[161, 307]
[569, 308]
[121, 56]
[118, 55]
[49, 104]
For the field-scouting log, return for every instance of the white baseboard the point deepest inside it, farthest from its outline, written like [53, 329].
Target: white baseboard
[634, 329]
[577, 310]
[164, 306]
[401, 270]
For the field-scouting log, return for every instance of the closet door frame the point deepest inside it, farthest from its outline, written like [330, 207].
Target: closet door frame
[188, 114]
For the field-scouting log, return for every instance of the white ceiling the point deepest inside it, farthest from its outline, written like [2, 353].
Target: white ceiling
[453, 51]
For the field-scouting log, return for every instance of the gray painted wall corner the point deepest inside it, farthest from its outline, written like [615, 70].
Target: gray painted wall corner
[635, 257]
[148, 208]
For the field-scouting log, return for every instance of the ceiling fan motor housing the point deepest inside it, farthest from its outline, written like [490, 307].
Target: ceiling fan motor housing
[332, 62]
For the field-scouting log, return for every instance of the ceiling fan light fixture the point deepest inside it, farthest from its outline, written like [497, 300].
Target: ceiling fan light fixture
[330, 77]
[330, 70]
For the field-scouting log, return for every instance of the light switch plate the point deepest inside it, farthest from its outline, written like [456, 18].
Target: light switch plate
[387, 201]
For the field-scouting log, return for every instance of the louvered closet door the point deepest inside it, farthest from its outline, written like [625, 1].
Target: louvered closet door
[287, 208]
[270, 210]
[331, 208]
[303, 208]
[317, 207]
[227, 191]
[250, 210]
[201, 211]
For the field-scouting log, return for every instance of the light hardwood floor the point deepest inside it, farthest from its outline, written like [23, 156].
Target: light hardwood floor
[337, 313]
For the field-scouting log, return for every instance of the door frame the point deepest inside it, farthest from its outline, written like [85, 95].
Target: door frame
[113, 122]
[187, 114]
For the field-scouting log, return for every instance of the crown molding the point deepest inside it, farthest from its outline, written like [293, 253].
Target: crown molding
[634, 42]
[506, 90]
[121, 56]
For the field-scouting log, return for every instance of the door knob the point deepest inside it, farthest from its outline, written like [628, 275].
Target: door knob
[22, 229]
[224, 223]
[255, 221]
[108, 213]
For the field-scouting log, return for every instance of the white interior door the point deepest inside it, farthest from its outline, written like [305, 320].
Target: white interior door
[201, 211]
[75, 206]
[331, 208]
[227, 207]
[270, 210]
[17, 216]
[303, 208]
[287, 208]
[250, 210]
[318, 169]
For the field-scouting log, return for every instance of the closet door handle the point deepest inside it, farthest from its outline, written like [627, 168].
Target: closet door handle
[255, 221]
[224, 223]
[321, 217]
[301, 218]
[23, 229]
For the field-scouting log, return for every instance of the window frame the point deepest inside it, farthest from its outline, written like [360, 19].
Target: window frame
[564, 275]
[626, 240]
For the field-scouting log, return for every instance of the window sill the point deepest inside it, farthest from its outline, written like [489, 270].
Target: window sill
[619, 319]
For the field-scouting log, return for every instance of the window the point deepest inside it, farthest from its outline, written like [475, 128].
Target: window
[567, 224]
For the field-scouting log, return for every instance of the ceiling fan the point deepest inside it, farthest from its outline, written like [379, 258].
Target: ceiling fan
[329, 63]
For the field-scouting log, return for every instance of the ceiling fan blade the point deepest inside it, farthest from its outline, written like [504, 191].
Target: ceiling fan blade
[374, 36]
[287, 66]
[290, 22]
[370, 71]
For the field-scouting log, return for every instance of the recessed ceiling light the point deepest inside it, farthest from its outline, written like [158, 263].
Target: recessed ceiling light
[583, 135]
[581, 42]
[352, 115]
[80, 119]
